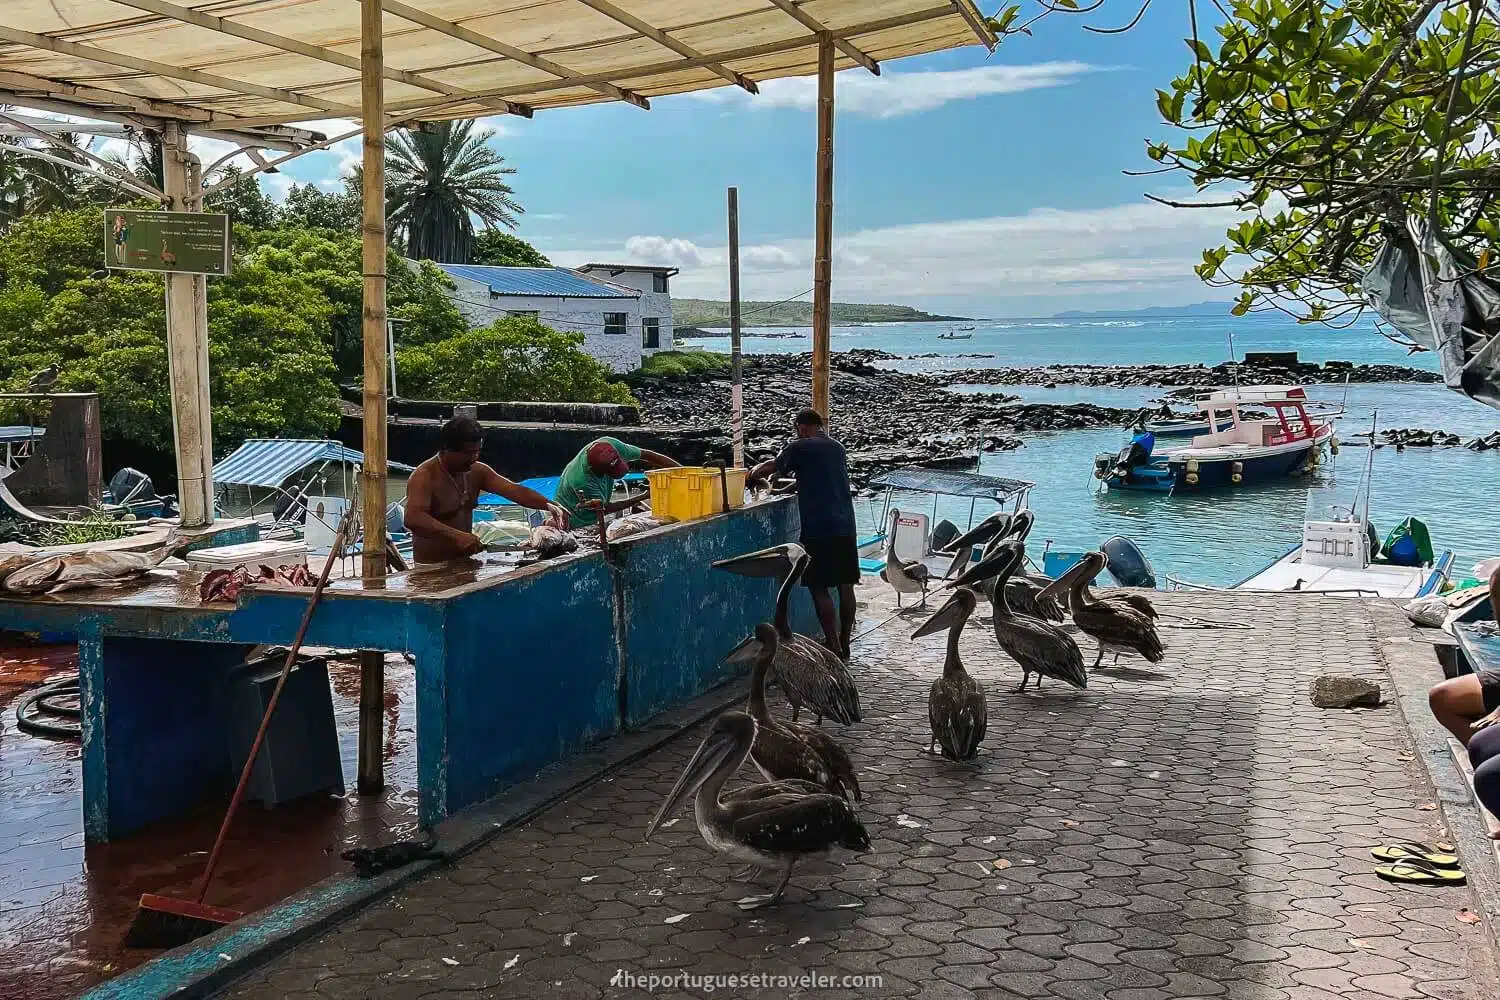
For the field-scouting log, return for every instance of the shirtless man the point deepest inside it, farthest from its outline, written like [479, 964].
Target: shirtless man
[444, 490]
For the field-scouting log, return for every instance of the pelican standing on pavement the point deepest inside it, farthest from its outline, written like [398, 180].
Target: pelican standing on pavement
[788, 750]
[768, 825]
[1040, 647]
[811, 675]
[955, 706]
[909, 576]
[1022, 591]
[1117, 625]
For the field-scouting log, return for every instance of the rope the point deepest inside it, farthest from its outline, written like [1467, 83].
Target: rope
[1174, 621]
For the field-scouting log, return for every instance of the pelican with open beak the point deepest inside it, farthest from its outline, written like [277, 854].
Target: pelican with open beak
[769, 825]
[956, 707]
[811, 674]
[962, 547]
[1040, 647]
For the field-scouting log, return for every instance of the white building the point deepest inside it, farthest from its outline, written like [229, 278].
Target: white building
[656, 298]
[621, 320]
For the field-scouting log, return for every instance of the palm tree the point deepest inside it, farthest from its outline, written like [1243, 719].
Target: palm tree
[439, 180]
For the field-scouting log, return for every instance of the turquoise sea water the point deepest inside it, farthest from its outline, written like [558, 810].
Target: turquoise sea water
[1218, 537]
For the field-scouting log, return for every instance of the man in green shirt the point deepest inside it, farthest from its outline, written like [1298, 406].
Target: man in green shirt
[592, 473]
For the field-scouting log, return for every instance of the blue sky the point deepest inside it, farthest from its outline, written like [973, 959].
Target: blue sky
[986, 185]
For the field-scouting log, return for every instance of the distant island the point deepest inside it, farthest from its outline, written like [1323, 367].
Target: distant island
[707, 312]
[1196, 309]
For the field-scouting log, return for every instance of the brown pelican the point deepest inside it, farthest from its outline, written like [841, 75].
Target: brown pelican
[955, 706]
[1116, 624]
[811, 675]
[995, 526]
[767, 825]
[1022, 590]
[905, 577]
[1040, 647]
[788, 750]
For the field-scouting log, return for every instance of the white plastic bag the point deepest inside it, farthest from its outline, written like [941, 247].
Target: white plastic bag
[1429, 612]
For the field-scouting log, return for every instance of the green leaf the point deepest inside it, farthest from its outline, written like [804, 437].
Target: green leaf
[1069, 4]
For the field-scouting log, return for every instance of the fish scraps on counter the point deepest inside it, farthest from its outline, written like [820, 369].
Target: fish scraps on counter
[43, 572]
[226, 584]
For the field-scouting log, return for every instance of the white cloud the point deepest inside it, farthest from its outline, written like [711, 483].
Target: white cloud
[892, 95]
[1048, 254]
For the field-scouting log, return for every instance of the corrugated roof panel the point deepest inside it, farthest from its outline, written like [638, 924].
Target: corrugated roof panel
[268, 462]
[558, 282]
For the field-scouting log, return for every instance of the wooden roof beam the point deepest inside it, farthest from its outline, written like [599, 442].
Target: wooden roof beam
[474, 38]
[976, 22]
[662, 38]
[817, 28]
[109, 57]
[66, 93]
[269, 39]
[413, 109]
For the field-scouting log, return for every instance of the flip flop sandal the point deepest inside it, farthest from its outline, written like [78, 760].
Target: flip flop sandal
[1409, 850]
[1414, 872]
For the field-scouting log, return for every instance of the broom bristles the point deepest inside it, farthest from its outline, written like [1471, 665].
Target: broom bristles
[165, 922]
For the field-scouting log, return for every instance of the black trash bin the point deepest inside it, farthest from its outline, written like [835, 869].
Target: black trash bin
[300, 756]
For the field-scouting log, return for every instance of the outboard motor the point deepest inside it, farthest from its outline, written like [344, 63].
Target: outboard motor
[1127, 563]
[1136, 453]
[943, 534]
[131, 484]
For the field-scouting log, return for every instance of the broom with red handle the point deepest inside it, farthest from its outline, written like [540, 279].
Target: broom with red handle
[166, 921]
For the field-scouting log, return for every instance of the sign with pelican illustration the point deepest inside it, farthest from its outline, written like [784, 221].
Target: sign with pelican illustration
[181, 242]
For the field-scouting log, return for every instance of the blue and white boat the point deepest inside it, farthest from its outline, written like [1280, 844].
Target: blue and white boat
[1289, 442]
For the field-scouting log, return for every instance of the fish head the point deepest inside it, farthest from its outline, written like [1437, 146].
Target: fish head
[953, 613]
[1000, 560]
[776, 561]
[732, 733]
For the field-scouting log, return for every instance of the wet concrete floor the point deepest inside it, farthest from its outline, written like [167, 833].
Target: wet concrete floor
[64, 906]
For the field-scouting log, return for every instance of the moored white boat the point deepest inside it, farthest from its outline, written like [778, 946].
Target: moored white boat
[1340, 557]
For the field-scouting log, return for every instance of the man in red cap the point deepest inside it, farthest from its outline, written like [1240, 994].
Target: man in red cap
[592, 473]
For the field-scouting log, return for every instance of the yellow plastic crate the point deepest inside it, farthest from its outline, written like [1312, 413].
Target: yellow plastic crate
[710, 482]
[691, 492]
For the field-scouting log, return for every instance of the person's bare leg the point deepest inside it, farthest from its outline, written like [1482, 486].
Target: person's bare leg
[847, 612]
[1455, 703]
[823, 603]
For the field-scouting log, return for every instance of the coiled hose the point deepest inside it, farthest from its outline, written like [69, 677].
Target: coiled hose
[52, 710]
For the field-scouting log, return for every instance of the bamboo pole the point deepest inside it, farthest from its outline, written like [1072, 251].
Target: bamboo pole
[187, 350]
[823, 229]
[736, 390]
[373, 325]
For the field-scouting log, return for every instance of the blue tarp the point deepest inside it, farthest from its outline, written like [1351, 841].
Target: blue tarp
[547, 487]
[269, 462]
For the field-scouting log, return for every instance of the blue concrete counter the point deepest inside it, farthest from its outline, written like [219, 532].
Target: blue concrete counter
[516, 668]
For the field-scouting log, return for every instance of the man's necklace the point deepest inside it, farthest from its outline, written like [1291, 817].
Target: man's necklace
[462, 489]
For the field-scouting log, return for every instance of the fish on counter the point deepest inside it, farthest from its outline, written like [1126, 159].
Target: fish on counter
[51, 573]
[550, 541]
[226, 584]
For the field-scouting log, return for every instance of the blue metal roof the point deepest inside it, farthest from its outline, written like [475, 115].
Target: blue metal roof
[558, 282]
[269, 462]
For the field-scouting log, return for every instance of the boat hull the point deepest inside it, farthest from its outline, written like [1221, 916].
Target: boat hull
[1183, 428]
[1170, 473]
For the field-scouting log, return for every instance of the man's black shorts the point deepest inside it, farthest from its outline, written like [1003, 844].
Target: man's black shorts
[834, 561]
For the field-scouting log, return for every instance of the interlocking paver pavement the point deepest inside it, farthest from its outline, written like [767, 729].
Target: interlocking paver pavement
[1195, 829]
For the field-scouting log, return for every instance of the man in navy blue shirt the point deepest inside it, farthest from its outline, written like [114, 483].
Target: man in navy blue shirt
[826, 506]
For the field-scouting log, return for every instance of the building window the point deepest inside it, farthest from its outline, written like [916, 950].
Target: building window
[650, 332]
[524, 313]
[659, 282]
[614, 323]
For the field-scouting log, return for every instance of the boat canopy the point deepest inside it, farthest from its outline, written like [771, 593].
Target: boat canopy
[953, 484]
[269, 462]
[1253, 394]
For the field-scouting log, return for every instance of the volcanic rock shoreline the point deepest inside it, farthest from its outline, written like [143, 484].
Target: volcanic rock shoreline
[888, 419]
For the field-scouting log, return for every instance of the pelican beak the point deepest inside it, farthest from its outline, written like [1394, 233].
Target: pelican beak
[712, 753]
[979, 534]
[742, 653]
[943, 618]
[1065, 581]
[773, 562]
[991, 565]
